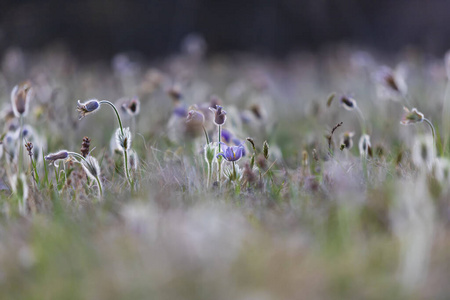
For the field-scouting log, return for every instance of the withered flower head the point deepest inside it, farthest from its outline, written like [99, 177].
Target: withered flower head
[220, 115]
[348, 103]
[412, 117]
[87, 107]
[132, 106]
[20, 98]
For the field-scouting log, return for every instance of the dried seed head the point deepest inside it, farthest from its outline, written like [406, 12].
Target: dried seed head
[20, 98]
[131, 106]
[85, 146]
[29, 147]
[90, 106]
[251, 141]
[220, 115]
[54, 157]
[266, 150]
[412, 117]
[348, 103]
[91, 167]
[364, 145]
[123, 140]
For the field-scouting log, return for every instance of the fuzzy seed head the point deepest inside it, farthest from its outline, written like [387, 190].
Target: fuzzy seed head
[91, 167]
[123, 140]
[364, 145]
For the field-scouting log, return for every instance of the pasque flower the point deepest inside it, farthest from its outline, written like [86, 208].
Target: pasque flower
[412, 117]
[233, 153]
[87, 107]
[220, 115]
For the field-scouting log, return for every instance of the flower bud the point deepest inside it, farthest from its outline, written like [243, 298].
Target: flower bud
[20, 98]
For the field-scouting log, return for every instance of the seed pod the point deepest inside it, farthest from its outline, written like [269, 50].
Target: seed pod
[123, 140]
[85, 146]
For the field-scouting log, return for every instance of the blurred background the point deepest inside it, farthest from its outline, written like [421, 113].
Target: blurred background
[101, 28]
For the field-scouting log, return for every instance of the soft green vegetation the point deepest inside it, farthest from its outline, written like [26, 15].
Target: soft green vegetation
[304, 206]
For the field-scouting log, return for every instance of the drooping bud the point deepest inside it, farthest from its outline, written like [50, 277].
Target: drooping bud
[20, 98]
[412, 117]
[348, 103]
[220, 115]
[90, 106]
[123, 139]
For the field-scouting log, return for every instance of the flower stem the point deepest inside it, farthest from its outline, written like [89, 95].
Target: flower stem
[219, 159]
[127, 172]
[433, 131]
[21, 146]
[115, 110]
[206, 134]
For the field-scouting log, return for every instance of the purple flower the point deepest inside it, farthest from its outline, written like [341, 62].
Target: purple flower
[220, 116]
[87, 107]
[233, 153]
[180, 111]
[237, 142]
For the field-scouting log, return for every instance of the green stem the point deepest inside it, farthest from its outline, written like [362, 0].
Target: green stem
[362, 120]
[219, 159]
[433, 131]
[206, 135]
[99, 187]
[115, 110]
[21, 145]
[234, 171]
[127, 173]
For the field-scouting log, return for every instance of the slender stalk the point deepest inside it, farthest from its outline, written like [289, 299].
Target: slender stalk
[433, 131]
[219, 159]
[100, 191]
[21, 146]
[362, 120]
[206, 134]
[234, 171]
[127, 173]
[116, 111]
[445, 119]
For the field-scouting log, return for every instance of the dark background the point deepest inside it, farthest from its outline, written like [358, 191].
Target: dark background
[100, 28]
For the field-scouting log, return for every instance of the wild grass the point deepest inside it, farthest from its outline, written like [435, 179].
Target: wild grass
[301, 215]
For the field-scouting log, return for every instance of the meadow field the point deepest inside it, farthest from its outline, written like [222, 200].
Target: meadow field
[331, 179]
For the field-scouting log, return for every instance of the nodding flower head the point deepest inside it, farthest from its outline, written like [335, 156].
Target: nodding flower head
[87, 107]
[348, 103]
[347, 140]
[20, 98]
[195, 118]
[412, 117]
[364, 145]
[233, 153]
[91, 167]
[391, 83]
[54, 157]
[220, 115]
[123, 140]
[132, 106]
